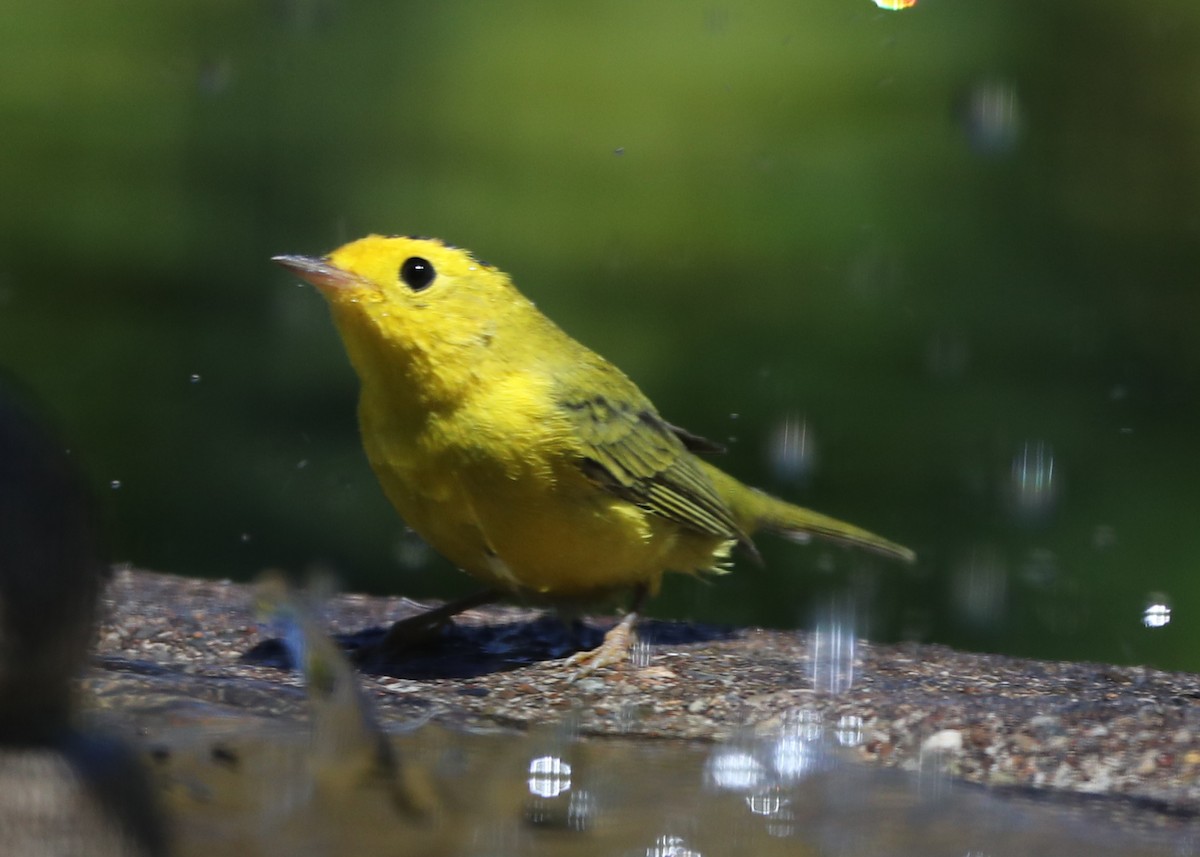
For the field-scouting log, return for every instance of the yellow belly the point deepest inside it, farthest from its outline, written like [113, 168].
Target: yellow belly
[537, 525]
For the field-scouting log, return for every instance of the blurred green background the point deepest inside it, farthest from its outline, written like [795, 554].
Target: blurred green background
[933, 271]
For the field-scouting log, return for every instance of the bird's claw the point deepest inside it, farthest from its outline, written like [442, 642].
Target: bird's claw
[612, 652]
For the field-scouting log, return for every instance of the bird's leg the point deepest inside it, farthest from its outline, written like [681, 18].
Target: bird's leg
[617, 642]
[406, 633]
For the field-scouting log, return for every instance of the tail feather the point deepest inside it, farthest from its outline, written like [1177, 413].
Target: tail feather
[755, 510]
[801, 525]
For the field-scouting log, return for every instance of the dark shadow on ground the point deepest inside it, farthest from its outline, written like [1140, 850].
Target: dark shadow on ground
[465, 651]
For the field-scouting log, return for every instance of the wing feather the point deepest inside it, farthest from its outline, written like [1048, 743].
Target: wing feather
[631, 451]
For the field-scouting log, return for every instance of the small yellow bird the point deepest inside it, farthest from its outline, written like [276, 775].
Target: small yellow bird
[523, 457]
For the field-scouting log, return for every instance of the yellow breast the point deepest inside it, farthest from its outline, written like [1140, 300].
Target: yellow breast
[498, 491]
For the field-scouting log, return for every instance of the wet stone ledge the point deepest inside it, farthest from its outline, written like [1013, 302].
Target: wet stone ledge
[169, 642]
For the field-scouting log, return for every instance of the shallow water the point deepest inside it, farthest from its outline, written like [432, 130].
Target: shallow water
[238, 785]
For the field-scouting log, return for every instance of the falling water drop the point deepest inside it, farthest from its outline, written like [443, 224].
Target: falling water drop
[1157, 613]
[1034, 483]
[793, 449]
[832, 648]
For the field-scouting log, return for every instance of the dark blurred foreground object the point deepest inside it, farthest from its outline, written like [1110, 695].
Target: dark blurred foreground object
[61, 792]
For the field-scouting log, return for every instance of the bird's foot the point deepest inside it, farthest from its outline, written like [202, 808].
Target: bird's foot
[402, 637]
[414, 631]
[612, 652]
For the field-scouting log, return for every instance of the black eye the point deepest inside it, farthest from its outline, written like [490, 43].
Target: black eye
[417, 273]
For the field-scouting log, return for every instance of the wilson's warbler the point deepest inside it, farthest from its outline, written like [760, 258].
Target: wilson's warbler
[523, 457]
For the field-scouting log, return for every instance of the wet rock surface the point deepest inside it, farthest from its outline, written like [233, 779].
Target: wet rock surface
[1077, 731]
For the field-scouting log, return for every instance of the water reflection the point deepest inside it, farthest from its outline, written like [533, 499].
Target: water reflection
[671, 846]
[849, 730]
[799, 749]
[756, 794]
[557, 797]
[734, 768]
[549, 776]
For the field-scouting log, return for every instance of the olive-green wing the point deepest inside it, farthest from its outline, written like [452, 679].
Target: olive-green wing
[630, 450]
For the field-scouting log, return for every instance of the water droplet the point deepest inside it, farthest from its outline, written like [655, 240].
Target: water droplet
[641, 654]
[980, 588]
[767, 803]
[629, 716]
[800, 749]
[1034, 482]
[849, 731]
[1157, 613]
[991, 117]
[793, 449]
[214, 76]
[410, 551]
[549, 776]
[581, 810]
[1103, 537]
[1040, 569]
[948, 355]
[671, 846]
[1058, 602]
[832, 649]
[734, 768]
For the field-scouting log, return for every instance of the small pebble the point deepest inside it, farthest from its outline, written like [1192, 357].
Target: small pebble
[946, 741]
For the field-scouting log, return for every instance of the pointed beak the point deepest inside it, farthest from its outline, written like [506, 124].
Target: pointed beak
[319, 272]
